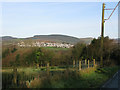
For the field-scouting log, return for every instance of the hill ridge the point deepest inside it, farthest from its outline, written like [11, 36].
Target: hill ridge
[52, 37]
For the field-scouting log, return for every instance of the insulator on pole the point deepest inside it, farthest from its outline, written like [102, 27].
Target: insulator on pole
[109, 9]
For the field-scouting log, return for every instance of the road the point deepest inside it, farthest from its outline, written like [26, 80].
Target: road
[113, 83]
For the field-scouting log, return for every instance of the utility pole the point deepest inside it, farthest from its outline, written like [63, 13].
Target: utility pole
[102, 29]
[102, 35]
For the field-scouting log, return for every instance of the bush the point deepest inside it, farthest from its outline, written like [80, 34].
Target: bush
[13, 50]
[42, 69]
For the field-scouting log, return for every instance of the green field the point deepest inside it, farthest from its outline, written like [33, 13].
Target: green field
[66, 78]
[55, 48]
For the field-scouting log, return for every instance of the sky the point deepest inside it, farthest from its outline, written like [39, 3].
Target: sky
[78, 19]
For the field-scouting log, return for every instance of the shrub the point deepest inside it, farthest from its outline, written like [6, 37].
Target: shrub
[13, 50]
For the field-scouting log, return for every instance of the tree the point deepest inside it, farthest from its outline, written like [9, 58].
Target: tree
[13, 50]
[108, 46]
[115, 54]
[17, 61]
[48, 55]
[39, 57]
[94, 50]
[77, 51]
[30, 58]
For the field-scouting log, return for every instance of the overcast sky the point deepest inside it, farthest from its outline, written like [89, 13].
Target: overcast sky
[78, 19]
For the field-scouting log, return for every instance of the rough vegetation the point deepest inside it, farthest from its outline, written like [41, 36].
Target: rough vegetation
[34, 59]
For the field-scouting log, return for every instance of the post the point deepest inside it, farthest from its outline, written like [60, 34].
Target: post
[15, 75]
[102, 36]
[85, 61]
[88, 63]
[47, 68]
[37, 65]
[73, 63]
[79, 65]
[94, 62]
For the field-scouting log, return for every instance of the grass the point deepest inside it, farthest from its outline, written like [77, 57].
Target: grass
[55, 48]
[30, 70]
[87, 78]
[61, 78]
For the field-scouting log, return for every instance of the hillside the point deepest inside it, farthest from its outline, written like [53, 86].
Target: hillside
[8, 38]
[55, 38]
[58, 38]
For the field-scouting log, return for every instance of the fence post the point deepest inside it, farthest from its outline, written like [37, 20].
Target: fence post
[85, 62]
[88, 63]
[15, 75]
[37, 65]
[47, 68]
[94, 62]
[79, 65]
[73, 63]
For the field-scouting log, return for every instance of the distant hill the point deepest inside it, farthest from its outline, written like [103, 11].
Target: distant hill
[58, 38]
[8, 38]
[54, 37]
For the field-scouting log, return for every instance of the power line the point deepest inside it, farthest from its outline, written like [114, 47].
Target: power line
[112, 11]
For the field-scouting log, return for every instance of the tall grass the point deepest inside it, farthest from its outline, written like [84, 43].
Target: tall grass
[87, 78]
[68, 78]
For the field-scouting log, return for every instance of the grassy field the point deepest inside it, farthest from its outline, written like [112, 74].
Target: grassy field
[30, 70]
[54, 48]
[86, 78]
